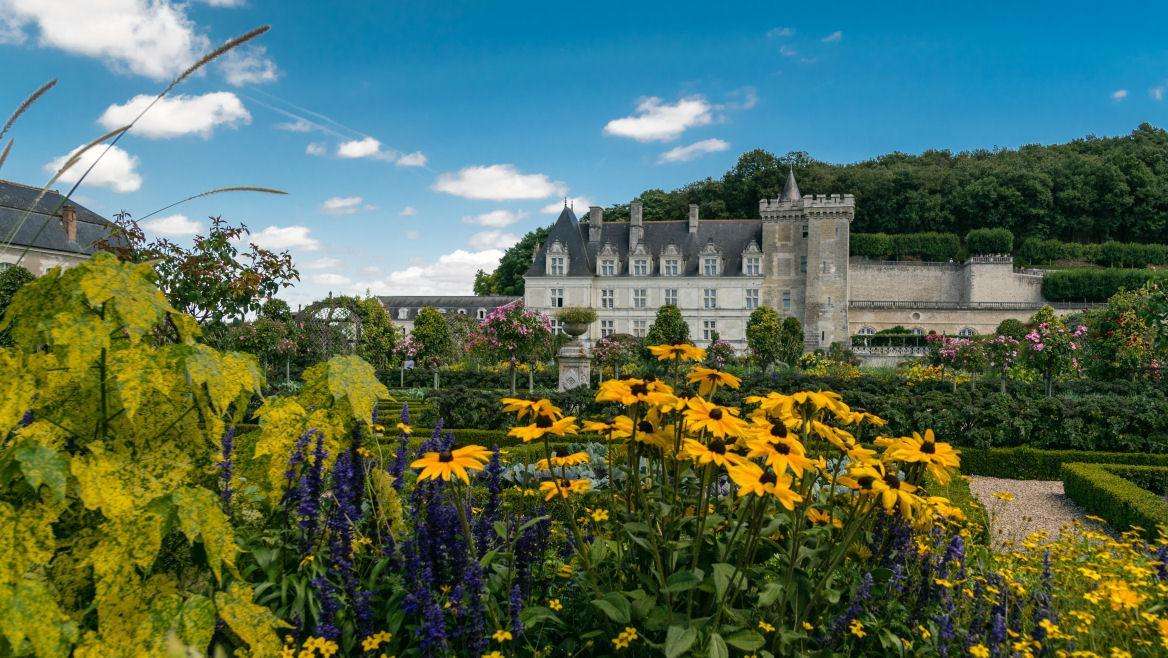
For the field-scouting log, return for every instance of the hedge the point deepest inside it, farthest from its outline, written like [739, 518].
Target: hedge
[876, 246]
[926, 246]
[1107, 490]
[989, 241]
[1095, 285]
[1035, 252]
[1026, 463]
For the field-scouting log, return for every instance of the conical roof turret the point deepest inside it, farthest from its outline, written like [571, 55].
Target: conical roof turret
[791, 188]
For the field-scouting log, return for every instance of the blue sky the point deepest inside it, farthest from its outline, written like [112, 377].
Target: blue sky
[416, 140]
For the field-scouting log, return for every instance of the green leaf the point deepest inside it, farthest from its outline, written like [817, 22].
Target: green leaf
[679, 639]
[40, 464]
[615, 606]
[201, 518]
[352, 379]
[535, 615]
[684, 580]
[745, 639]
[128, 288]
[598, 551]
[197, 621]
[717, 647]
[769, 594]
[722, 573]
[254, 624]
[17, 389]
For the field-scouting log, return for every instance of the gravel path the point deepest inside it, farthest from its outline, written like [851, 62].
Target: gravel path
[1036, 505]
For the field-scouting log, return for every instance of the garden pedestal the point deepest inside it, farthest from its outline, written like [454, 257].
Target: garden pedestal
[575, 366]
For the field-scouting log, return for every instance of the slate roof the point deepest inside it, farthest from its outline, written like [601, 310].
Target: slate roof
[470, 304]
[730, 236]
[15, 201]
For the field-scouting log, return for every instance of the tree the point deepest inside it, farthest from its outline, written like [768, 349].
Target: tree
[615, 351]
[1051, 347]
[431, 334]
[764, 335]
[379, 335]
[668, 328]
[507, 279]
[515, 333]
[12, 279]
[791, 342]
[213, 281]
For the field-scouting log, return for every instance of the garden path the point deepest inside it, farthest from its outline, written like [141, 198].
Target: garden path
[1036, 505]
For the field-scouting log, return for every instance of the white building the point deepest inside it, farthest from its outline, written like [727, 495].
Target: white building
[51, 233]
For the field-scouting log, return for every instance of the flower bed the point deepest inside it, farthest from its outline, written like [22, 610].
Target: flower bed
[1117, 493]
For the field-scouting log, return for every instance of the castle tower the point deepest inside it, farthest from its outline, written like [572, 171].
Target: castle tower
[805, 249]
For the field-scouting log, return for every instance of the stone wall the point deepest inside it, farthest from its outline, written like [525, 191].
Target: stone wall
[905, 281]
[942, 320]
[39, 261]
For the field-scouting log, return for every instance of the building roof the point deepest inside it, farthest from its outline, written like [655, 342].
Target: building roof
[466, 304]
[730, 236]
[15, 202]
[790, 188]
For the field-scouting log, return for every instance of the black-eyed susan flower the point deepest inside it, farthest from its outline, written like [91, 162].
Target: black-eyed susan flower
[679, 352]
[562, 457]
[650, 429]
[717, 420]
[604, 428]
[405, 429]
[779, 452]
[939, 458]
[524, 408]
[544, 424]
[452, 463]
[709, 379]
[714, 452]
[563, 487]
[865, 478]
[633, 391]
[819, 517]
[752, 479]
[898, 495]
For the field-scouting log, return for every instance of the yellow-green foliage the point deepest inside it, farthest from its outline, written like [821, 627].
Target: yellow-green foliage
[113, 467]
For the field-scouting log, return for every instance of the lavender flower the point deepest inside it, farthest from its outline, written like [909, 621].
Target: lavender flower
[855, 608]
[405, 415]
[226, 468]
[1162, 568]
[514, 605]
[310, 490]
[485, 521]
[326, 593]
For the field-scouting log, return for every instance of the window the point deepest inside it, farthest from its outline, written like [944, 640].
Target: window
[556, 297]
[462, 311]
[752, 266]
[608, 267]
[557, 266]
[671, 296]
[709, 329]
[557, 327]
[641, 267]
[752, 298]
[710, 298]
[803, 264]
[608, 298]
[867, 331]
[640, 298]
[804, 229]
[710, 266]
[607, 328]
[967, 332]
[403, 314]
[639, 328]
[672, 266]
[482, 314]
[786, 300]
[919, 331]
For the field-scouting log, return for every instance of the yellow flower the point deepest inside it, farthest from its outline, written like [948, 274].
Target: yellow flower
[446, 464]
[374, 642]
[405, 429]
[779, 452]
[561, 458]
[856, 628]
[819, 517]
[808, 626]
[605, 428]
[649, 430]
[680, 352]
[1004, 496]
[544, 424]
[939, 458]
[717, 420]
[624, 638]
[632, 391]
[565, 571]
[752, 479]
[501, 635]
[765, 627]
[562, 487]
[599, 515]
[493, 654]
[709, 379]
[555, 604]
[523, 408]
[714, 452]
[979, 651]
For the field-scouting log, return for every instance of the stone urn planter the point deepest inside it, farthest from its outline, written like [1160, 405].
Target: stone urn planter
[574, 361]
[576, 329]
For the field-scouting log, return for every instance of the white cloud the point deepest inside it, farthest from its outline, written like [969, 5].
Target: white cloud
[223, 3]
[297, 126]
[413, 234]
[787, 51]
[279, 238]
[693, 151]
[1157, 93]
[116, 171]
[153, 38]
[578, 203]
[495, 218]
[344, 205]
[658, 121]
[175, 116]
[415, 159]
[362, 148]
[408, 211]
[315, 148]
[498, 182]
[322, 263]
[1119, 95]
[173, 226]
[834, 37]
[492, 240]
[248, 65]
[371, 270]
[10, 28]
[450, 274]
[331, 279]
[780, 32]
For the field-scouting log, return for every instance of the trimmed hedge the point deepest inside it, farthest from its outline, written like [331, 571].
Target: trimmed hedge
[1095, 285]
[1108, 491]
[926, 246]
[989, 241]
[876, 246]
[1030, 464]
[1035, 252]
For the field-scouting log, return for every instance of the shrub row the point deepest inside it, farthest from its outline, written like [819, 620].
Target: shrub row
[927, 246]
[487, 378]
[1035, 252]
[1108, 491]
[989, 241]
[1095, 285]
[1026, 463]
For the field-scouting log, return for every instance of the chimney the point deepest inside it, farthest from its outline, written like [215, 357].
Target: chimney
[636, 228]
[595, 223]
[69, 222]
[693, 218]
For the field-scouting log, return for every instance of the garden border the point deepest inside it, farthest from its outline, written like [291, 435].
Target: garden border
[1027, 463]
[1104, 491]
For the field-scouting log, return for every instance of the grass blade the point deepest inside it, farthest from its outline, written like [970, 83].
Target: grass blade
[218, 190]
[4, 154]
[20, 109]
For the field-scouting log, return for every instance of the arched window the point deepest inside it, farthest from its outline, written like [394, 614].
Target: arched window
[462, 311]
[403, 314]
[967, 332]
[867, 331]
[920, 331]
[482, 313]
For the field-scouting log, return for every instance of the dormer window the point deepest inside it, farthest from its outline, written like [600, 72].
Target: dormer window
[641, 267]
[608, 261]
[608, 267]
[710, 266]
[557, 266]
[557, 259]
[710, 259]
[672, 266]
[752, 265]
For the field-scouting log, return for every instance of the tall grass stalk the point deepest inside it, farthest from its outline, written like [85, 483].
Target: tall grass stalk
[217, 190]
